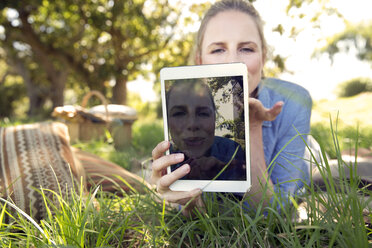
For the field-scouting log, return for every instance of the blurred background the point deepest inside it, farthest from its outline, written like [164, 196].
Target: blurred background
[53, 53]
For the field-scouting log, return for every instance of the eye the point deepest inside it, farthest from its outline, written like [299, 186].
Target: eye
[204, 113]
[178, 114]
[218, 50]
[246, 49]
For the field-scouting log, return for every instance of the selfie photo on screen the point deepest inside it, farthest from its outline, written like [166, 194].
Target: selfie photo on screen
[204, 115]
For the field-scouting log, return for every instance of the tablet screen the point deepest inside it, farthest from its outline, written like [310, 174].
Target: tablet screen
[206, 123]
[206, 118]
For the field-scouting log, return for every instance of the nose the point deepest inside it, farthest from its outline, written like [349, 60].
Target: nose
[193, 124]
[233, 57]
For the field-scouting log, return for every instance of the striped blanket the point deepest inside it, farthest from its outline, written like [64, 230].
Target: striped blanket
[111, 177]
[33, 157]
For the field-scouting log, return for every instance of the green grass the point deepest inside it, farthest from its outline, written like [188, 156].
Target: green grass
[335, 218]
[351, 111]
[352, 116]
[346, 136]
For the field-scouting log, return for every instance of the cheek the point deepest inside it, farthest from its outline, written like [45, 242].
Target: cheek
[175, 127]
[254, 67]
[209, 126]
[210, 130]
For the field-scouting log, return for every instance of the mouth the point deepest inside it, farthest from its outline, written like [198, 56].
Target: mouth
[194, 141]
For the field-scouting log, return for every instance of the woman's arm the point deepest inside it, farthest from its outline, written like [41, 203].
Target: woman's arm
[259, 175]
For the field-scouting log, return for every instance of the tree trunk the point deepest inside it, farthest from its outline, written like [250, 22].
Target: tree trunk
[119, 94]
[58, 80]
[55, 69]
[34, 92]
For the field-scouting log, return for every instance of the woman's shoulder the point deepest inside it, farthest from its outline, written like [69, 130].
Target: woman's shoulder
[281, 90]
[225, 144]
[224, 141]
[224, 148]
[280, 86]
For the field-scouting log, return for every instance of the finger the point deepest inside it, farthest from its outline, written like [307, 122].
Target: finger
[155, 176]
[160, 149]
[166, 180]
[162, 163]
[275, 110]
[262, 113]
[278, 106]
[182, 197]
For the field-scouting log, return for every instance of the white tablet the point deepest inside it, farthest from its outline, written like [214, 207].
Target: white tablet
[205, 111]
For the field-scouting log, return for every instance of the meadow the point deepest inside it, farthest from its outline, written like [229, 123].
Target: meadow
[351, 118]
[336, 215]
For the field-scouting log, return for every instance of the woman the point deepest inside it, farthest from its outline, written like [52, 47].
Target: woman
[191, 120]
[231, 31]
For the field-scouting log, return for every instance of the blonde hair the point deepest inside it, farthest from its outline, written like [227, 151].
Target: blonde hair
[243, 6]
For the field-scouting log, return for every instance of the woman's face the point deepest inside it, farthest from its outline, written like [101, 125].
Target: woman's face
[191, 119]
[232, 36]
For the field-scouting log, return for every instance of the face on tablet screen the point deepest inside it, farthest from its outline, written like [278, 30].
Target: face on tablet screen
[206, 122]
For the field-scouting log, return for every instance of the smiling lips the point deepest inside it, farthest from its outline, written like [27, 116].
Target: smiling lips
[194, 141]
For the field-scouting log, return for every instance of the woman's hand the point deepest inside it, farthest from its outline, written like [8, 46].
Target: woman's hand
[258, 113]
[162, 180]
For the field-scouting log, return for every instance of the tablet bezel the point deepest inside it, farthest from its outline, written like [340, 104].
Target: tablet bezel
[206, 71]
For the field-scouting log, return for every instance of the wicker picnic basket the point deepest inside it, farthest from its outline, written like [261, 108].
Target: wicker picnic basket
[94, 126]
[87, 124]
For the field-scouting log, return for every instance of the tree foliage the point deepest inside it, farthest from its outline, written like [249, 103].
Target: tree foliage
[90, 43]
[98, 44]
[354, 87]
[357, 36]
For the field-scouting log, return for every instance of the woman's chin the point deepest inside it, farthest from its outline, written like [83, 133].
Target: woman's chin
[194, 153]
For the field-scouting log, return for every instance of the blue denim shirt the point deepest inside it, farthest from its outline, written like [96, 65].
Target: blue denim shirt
[284, 152]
